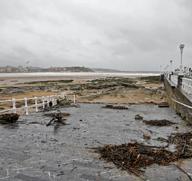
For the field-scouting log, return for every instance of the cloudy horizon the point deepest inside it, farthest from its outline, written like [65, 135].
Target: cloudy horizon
[115, 34]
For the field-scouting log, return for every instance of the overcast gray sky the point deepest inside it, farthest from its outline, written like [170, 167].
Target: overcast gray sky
[119, 34]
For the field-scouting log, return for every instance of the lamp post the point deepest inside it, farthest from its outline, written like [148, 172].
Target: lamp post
[171, 64]
[181, 46]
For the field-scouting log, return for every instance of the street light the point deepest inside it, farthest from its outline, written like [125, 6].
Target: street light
[171, 64]
[181, 46]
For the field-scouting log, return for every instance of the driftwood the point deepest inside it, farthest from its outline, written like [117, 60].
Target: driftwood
[110, 106]
[57, 118]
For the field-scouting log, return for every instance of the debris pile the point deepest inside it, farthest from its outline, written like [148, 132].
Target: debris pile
[110, 106]
[183, 142]
[134, 156]
[58, 118]
[8, 118]
[162, 122]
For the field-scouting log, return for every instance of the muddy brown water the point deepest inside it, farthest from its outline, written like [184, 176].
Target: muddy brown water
[30, 151]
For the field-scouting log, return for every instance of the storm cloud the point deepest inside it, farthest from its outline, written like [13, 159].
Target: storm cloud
[120, 34]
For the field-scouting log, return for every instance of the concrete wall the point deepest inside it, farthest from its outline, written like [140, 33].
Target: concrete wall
[175, 93]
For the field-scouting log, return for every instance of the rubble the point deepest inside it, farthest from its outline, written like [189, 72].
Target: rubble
[162, 122]
[8, 118]
[110, 106]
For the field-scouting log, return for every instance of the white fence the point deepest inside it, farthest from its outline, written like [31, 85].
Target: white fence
[38, 102]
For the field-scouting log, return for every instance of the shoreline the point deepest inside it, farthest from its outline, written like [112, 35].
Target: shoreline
[73, 74]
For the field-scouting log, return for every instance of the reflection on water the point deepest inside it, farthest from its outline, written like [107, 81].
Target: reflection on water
[11, 126]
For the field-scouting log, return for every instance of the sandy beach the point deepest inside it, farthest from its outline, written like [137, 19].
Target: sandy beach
[88, 87]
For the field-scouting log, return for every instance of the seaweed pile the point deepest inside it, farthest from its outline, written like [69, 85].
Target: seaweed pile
[133, 157]
[162, 122]
[8, 118]
[183, 142]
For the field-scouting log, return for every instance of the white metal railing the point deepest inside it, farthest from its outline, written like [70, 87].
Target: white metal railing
[44, 101]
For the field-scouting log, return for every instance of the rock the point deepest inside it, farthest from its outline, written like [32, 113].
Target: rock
[138, 117]
[8, 118]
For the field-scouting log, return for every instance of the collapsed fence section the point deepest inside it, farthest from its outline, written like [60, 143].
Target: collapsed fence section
[35, 103]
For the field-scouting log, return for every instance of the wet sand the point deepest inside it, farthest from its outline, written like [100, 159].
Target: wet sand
[30, 151]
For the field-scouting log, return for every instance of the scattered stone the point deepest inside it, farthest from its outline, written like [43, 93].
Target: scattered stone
[138, 117]
[8, 118]
[162, 122]
[120, 107]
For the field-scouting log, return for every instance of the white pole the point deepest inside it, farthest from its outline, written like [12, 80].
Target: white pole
[74, 99]
[14, 105]
[53, 100]
[43, 100]
[36, 105]
[181, 50]
[26, 107]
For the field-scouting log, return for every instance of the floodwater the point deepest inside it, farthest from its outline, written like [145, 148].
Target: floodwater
[30, 151]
